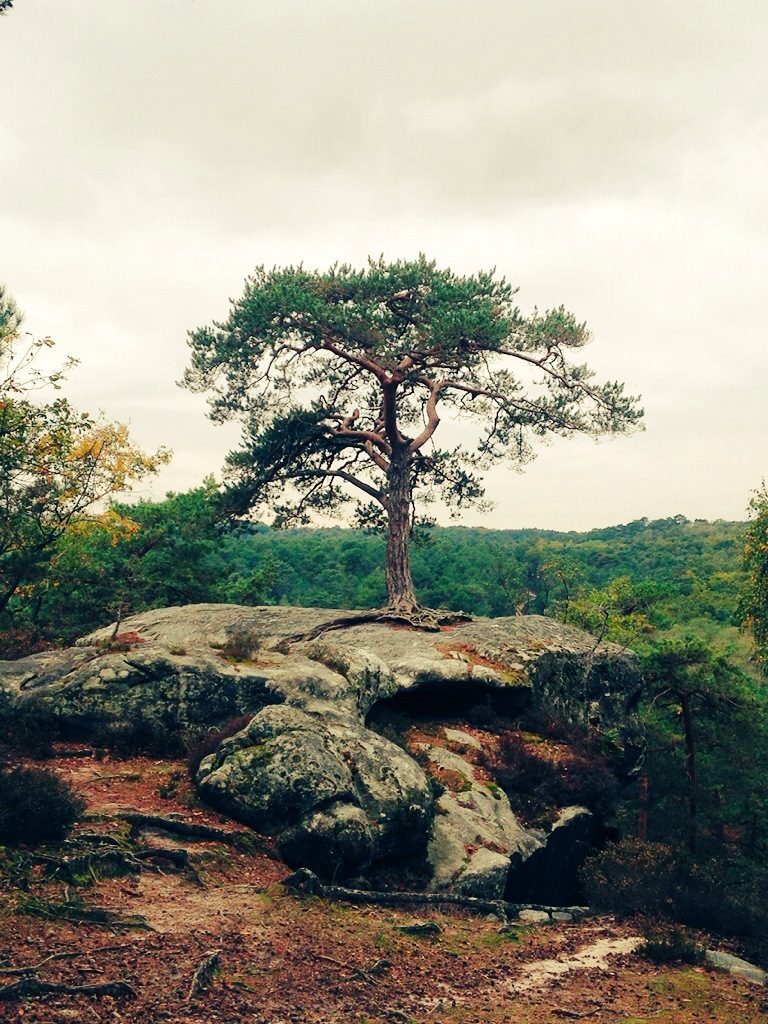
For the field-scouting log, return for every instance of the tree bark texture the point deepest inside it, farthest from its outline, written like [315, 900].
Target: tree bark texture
[401, 596]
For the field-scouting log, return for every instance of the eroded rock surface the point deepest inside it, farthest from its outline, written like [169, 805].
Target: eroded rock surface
[306, 769]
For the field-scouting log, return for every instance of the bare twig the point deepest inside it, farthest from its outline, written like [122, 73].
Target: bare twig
[204, 973]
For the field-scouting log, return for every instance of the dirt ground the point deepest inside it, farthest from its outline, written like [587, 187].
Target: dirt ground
[284, 958]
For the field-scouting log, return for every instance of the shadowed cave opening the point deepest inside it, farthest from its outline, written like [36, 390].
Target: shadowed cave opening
[441, 701]
[551, 874]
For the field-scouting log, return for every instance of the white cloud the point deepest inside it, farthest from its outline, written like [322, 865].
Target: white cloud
[610, 157]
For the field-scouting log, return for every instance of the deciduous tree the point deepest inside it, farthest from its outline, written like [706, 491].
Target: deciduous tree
[754, 600]
[56, 464]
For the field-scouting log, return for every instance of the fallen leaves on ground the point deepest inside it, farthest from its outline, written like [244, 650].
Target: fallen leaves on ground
[289, 960]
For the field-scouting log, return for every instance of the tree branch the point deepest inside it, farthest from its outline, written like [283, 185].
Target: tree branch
[369, 489]
[433, 420]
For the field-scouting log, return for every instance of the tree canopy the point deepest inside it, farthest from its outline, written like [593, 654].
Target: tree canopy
[341, 379]
[754, 599]
[56, 464]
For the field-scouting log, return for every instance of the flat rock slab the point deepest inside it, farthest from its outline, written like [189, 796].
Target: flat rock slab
[307, 769]
[735, 965]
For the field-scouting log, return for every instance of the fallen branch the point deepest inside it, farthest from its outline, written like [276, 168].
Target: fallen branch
[34, 968]
[561, 1011]
[245, 841]
[358, 973]
[307, 883]
[34, 987]
[204, 973]
[79, 914]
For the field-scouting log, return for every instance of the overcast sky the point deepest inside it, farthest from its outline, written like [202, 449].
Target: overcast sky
[609, 156]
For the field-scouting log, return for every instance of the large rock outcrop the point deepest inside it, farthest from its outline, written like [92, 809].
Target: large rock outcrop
[307, 769]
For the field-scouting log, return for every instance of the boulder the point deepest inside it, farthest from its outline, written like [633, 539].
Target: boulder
[474, 834]
[307, 769]
[336, 795]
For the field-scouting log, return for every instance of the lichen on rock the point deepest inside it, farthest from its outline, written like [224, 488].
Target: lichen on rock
[307, 769]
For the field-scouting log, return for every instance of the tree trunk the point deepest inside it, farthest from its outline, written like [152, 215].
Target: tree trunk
[642, 816]
[401, 597]
[690, 770]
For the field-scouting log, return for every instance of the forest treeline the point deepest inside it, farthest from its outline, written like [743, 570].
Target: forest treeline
[669, 574]
[671, 589]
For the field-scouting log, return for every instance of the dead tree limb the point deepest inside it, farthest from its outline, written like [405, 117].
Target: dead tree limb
[240, 839]
[306, 882]
[27, 987]
[204, 973]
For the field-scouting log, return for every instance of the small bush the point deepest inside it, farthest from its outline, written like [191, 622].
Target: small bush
[240, 646]
[632, 877]
[649, 878]
[671, 945]
[28, 728]
[20, 642]
[36, 804]
[535, 784]
[201, 746]
[139, 733]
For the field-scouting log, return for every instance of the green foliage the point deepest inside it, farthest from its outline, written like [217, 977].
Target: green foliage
[753, 607]
[146, 555]
[36, 805]
[340, 380]
[56, 464]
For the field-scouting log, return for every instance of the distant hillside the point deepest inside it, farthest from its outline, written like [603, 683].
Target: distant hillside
[496, 572]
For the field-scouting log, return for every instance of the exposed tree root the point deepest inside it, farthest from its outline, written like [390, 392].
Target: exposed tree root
[34, 987]
[110, 862]
[79, 913]
[306, 882]
[113, 862]
[176, 856]
[247, 842]
[204, 973]
[66, 955]
[427, 619]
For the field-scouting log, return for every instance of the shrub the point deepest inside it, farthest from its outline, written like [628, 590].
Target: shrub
[27, 728]
[638, 877]
[633, 876]
[240, 645]
[201, 746]
[20, 642]
[671, 945]
[139, 733]
[535, 784]
[36, 804]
